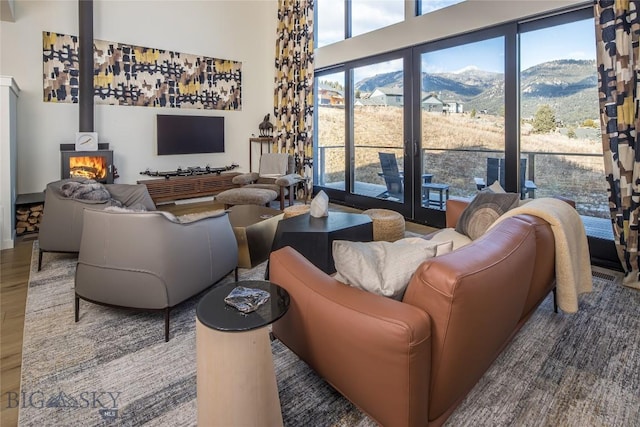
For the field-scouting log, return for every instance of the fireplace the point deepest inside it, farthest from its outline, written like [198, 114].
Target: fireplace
[96, 165]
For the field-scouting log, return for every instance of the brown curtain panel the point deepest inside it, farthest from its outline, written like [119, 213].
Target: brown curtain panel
[293, 103]
[617, 36]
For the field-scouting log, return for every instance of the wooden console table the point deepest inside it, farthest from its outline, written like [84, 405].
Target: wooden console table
[187, 187]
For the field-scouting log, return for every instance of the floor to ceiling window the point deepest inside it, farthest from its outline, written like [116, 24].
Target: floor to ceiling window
[378, 121]
[560, 127]
[330, 130]
[461, 112]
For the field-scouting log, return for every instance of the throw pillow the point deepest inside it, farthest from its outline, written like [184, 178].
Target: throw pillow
[483, 210]
[383, 268]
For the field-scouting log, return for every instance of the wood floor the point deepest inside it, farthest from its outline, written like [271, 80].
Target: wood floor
[14, 277]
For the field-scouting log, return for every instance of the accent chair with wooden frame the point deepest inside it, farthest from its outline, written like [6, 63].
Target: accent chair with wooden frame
[277, 173]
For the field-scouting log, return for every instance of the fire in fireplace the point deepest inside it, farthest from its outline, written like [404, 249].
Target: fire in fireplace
[92, 167]
[97, 165]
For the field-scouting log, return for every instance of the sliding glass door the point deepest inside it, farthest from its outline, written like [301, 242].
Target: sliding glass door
[561, 141]
[411, 128]
[378, 131]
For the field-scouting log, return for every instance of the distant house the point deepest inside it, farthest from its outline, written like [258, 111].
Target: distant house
[389, 96]
[362, 102]
[328, 95]
[455, 106]
[432, 103]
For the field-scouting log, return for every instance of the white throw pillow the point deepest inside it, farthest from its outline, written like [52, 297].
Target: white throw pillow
[383, 268]
[450, 235]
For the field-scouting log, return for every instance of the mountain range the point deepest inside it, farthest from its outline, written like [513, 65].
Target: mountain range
[569, 86]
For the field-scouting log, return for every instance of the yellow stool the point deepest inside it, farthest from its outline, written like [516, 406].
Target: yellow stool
[295, 210]
[387, 224]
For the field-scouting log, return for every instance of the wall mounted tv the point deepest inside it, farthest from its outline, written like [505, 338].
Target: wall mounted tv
[189, 134]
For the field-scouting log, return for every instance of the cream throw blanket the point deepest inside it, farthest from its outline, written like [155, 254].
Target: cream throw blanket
[573, 262]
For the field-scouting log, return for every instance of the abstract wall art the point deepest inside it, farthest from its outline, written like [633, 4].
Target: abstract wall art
[141, 76]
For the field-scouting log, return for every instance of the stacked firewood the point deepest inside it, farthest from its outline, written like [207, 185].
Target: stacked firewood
[28, 218]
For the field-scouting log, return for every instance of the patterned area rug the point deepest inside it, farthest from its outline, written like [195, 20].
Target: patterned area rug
[114, 368]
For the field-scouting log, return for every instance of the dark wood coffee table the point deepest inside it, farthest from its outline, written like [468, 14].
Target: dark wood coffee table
[313, 237]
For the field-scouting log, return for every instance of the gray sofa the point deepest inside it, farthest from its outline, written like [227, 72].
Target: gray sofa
[150, 260]
[61, 225]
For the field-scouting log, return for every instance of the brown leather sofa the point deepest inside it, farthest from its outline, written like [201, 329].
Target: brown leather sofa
[411, 363]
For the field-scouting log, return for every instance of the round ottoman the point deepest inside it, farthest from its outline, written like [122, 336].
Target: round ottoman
[296, 210]
[387, 224]
[246, 196]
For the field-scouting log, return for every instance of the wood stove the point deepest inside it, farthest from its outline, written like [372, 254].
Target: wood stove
[96, 165]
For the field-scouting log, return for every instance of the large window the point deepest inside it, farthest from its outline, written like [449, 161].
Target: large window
[378, 122]
[329, 22]
[370, 15]
[366, 16]
[330, 130]
[427, 6]
[560, 128]
[462, 112]
[462, 115]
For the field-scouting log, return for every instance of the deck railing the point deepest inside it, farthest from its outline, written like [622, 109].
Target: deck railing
[579, 176]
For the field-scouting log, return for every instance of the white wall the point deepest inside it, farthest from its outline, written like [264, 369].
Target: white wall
[237, 30]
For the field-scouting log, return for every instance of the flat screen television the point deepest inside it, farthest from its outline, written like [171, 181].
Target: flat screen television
[189, 134]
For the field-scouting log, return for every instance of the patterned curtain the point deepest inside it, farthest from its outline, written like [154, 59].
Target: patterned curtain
[293, 103]
[617, 38]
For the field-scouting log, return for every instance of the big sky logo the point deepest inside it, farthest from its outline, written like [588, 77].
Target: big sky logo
[105, 401]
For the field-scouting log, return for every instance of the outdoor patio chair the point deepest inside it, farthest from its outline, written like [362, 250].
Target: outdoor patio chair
[394, 178]
[495, 172]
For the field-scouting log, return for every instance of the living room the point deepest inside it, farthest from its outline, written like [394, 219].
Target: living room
[243, 31]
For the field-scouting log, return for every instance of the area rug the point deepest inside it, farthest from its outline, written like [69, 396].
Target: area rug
[114, 368]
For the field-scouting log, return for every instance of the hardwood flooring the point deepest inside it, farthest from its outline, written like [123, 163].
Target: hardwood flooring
[14, 278]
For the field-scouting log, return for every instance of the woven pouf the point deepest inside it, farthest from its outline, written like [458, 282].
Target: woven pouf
[246, 196]
[388, 225]
[296, 210]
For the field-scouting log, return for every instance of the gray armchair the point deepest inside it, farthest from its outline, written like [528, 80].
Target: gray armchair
[277, 173]
[151, 260]
[61, 224]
